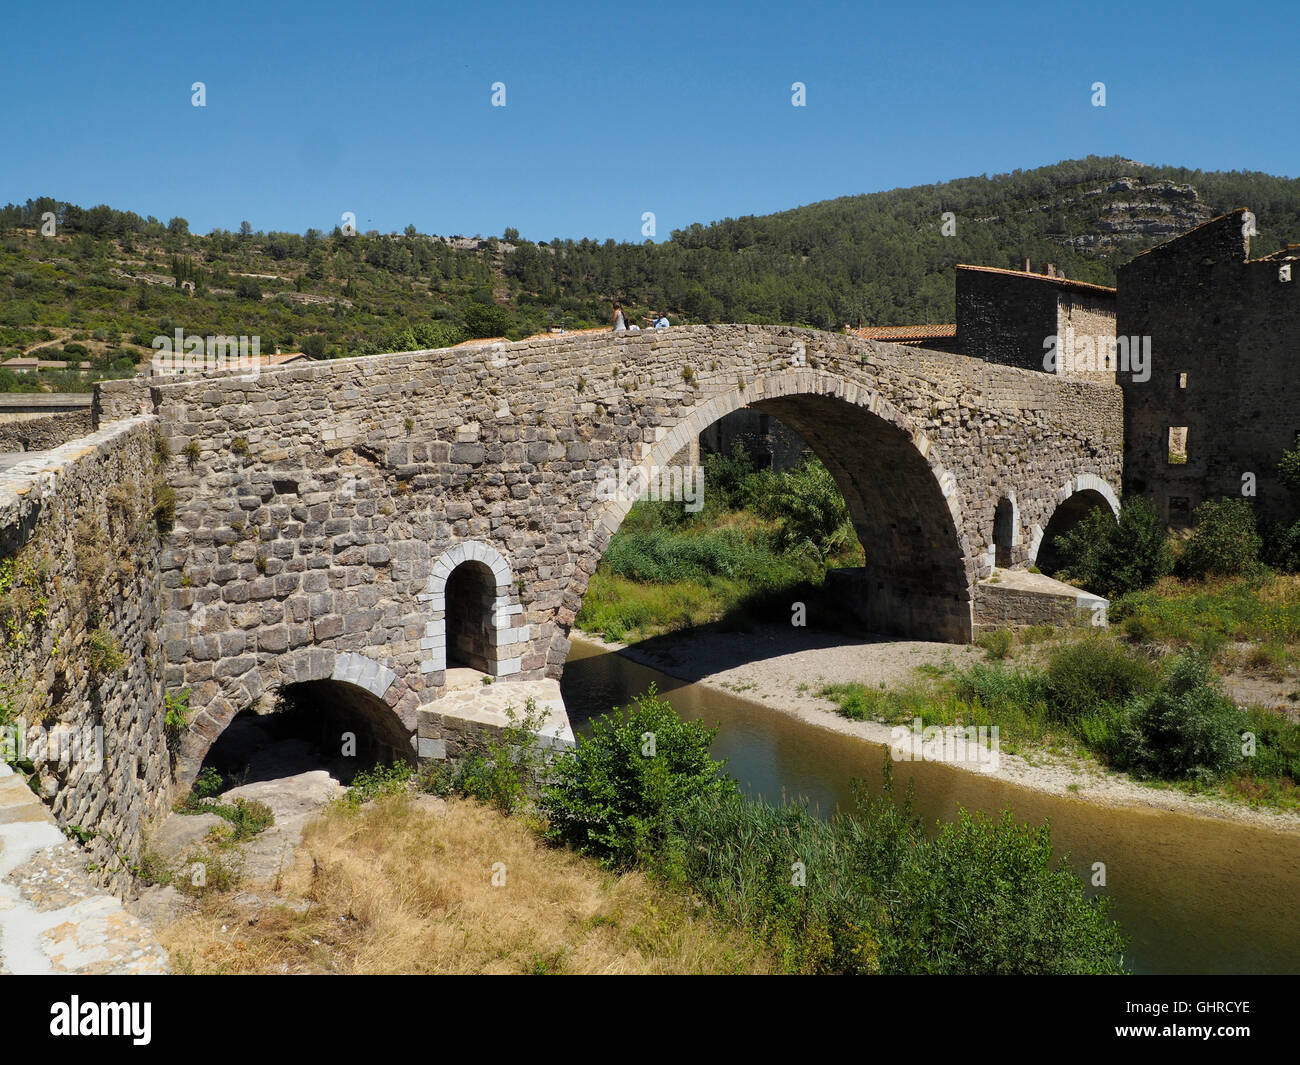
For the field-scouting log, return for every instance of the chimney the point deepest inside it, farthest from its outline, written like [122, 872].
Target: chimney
[1026, 266]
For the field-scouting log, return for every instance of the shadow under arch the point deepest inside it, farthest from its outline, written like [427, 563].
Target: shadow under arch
[329, 724]
[385, 696]
[1075, 502]
[903, 502]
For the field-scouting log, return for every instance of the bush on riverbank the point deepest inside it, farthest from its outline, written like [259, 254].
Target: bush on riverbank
[861, 893]
[1110, 557]
[617, 796]
[1167, 721]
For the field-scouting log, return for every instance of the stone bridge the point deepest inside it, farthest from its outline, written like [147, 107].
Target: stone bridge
[370, 521]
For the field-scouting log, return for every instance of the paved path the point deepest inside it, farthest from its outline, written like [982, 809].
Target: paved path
[53, 919]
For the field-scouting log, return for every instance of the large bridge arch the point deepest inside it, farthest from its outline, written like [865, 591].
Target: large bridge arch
[903, 501]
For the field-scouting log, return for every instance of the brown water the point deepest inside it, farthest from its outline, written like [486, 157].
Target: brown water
[1194, 894]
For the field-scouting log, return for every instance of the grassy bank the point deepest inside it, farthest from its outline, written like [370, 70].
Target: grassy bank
[762, 541]
[635, 854]
[1164, 719]
[405, 885]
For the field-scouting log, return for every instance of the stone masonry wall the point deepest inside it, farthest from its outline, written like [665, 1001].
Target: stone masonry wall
[321, 508]
[79, 650]
[1224, 349]
[41, 434]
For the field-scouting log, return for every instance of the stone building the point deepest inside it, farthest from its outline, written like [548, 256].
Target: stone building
[1011, 316]
[1224, 398]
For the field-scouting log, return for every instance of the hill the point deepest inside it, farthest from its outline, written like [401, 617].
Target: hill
[108, 281]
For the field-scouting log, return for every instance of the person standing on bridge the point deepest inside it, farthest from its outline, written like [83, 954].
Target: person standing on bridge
[620, 323]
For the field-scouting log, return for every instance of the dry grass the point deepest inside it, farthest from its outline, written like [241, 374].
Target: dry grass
[404, 885]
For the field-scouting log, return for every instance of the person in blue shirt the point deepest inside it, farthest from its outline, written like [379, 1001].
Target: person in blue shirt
[661, 320]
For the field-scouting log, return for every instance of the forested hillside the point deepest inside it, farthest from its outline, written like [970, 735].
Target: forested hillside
[108, 281]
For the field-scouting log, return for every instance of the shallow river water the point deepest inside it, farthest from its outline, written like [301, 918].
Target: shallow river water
[1194, 894]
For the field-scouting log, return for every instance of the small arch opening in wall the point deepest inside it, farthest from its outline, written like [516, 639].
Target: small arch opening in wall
[1004, 532]
[304, 727]
[470, 598]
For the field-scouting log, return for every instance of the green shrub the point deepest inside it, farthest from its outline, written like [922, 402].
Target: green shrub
[376, 781]
[104, 653]
[1226, 542]
[987, 897]
[1187, 729]
[808, 503]
[1110, 557]
[727, 478]
[870, 893]
[1288, 469]
[996, 643]
[1083, 678]
[208, 784]
[1277, 745]
[614, 797]
[164, 505]
[1001, 688]
[247, 818]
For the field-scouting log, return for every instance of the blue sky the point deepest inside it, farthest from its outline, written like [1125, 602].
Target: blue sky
[683, 109]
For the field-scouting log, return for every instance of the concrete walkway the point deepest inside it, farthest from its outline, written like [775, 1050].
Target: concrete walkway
[53, 919]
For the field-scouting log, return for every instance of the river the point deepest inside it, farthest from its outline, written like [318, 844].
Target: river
[1194, 894]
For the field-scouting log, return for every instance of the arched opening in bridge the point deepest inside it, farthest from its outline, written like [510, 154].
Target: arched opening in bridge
[870, 482]
[314, 725]
[1004, 532]
[471, 598]
[1066, 516]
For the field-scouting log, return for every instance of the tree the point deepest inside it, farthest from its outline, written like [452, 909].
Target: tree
[245, 229]
[314, 346]
[1112, 557]
[1226, 542]
[178, 227]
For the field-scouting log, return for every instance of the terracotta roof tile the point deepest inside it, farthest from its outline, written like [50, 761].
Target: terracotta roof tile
[905, 333]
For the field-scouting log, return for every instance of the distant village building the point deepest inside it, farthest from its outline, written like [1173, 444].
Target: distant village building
[1224, 398]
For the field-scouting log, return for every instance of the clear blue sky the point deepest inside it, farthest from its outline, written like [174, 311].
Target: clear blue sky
[682, 109]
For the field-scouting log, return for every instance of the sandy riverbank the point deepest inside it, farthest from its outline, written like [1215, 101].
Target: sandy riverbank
[782, 669]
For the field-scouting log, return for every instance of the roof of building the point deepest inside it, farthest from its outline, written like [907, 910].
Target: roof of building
[902, 334]
[1062, 282]
[1235, 214]
[280, 360]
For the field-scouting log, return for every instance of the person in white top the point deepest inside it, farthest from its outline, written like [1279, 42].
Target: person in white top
[620, 323]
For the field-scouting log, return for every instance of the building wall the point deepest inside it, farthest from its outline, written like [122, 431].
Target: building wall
[1007, 317]
[1233, 328]
[1086, 314]
[768, 442]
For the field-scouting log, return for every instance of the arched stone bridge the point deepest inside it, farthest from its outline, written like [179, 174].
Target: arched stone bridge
[337, 520]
